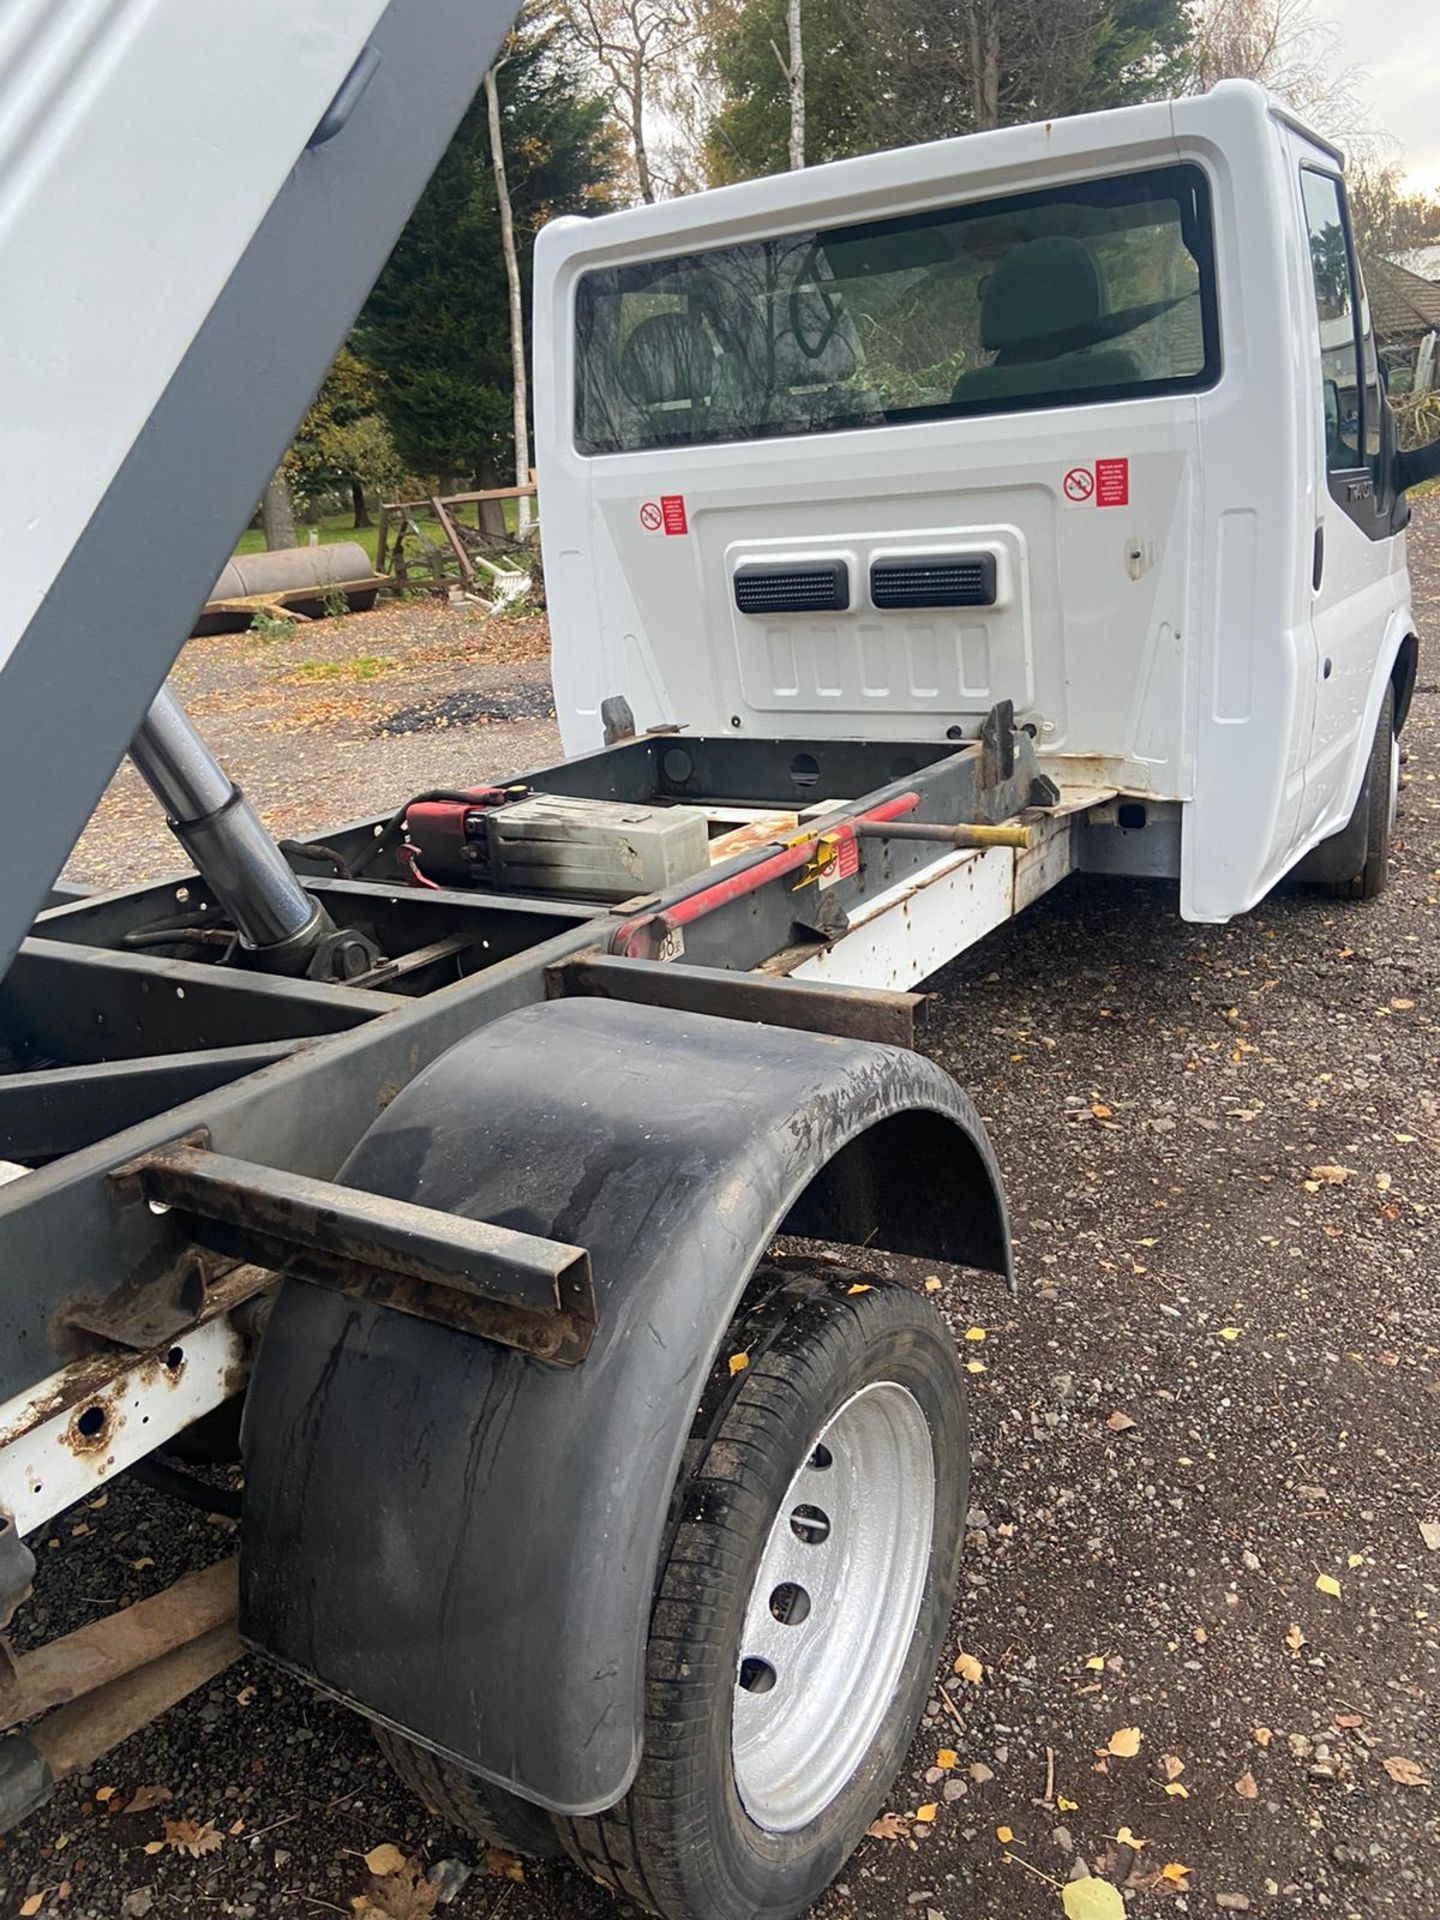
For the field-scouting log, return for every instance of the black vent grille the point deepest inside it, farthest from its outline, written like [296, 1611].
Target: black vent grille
[800, 586]
[934, 580]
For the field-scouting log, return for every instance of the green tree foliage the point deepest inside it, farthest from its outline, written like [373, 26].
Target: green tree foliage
[889, 73]
[344, 444]
[436, 327]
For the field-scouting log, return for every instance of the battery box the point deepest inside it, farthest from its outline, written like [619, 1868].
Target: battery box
[594, 849]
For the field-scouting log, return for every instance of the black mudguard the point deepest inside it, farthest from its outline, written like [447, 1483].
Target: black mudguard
[462, 1541]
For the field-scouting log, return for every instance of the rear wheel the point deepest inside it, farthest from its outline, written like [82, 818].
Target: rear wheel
[1378, 802]
[799, 1610]
[499, 1818]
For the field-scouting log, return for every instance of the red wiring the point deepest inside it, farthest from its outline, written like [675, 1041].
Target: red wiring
[410, 854]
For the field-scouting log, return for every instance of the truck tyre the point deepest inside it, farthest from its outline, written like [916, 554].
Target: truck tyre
[799, 1610]
[498, 1818]
[1378, 802]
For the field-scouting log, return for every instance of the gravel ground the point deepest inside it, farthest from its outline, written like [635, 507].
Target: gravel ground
[1220, 1384]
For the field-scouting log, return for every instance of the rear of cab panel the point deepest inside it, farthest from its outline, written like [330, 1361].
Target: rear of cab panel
[1138, 620]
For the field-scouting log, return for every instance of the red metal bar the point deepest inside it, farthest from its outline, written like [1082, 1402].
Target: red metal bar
[631, 939]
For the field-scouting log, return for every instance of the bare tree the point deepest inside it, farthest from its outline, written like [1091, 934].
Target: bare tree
[517, 311]
[635, 44]
[1280, 44]
[277, 512]
[792, 65]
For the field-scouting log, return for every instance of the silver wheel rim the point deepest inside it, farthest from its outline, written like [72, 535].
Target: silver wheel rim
[833, 1609]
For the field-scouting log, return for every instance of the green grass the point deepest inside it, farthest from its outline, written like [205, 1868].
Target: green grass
[337, 526]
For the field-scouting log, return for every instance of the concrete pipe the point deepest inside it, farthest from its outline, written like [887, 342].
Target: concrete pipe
[290, 570]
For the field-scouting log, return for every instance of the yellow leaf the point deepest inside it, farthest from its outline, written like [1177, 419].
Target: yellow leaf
[1091, 1900]
[1330, 1176]
[385, 1859]
[1128, 1839]
[928, 1812]
[1124, 1743]
[1066, 1806]
[738, 1363]
[1175, 1873]
[154, 1846]
[861, 1287]
[102, 1794]
[976, 1334]
[946, 1758]
[1101, 1111]
[1004, 1835]
[1096, 1663]
[975, 1366]
[503, 1865]
[932, 1283]
[1229, 1333]
[1355, 1560]
[1327, 1583]
[1177, 1792]
[1294, 1639]
[969, 1668]
[1262, 1735]
[32, 1905]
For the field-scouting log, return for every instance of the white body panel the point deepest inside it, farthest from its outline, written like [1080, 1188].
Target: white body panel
[141, 144]
[1167, 645]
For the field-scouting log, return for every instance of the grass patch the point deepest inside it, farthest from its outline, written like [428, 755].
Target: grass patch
[360, 666]
[336, 526]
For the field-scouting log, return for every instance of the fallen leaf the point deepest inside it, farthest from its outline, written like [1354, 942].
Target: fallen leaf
[975, 1366]
[1171, 1765]
[1176, 1874]
[1229, 1333]
[1430, 1534]
[1124, 1743]
[1405, 1773]
[1330, 1176]
[1091, 1900]
[244, 1697]
[403, 1895]
[932, 1283]
[1066, 1806]
[928, 1812]
[504, 1865]
[185, 1837]
[385, 1859]
[1327, 1583]
[1246, 1788]
[1353, 1560]
[1128, 1839]
[1295, 1639]
[1101, 1111]
[861, 1286]
[1119, 1423]
[1004, 1835]
[145, 1798]
[946, 1758]
[969, 1668]
[104, 1794]
[1177, 1792]
[888, 1827]
[738, 1363]
[1349, 1720]
[32, 1905]
[975, 1334]
[154, 1846]
[1096, 1663]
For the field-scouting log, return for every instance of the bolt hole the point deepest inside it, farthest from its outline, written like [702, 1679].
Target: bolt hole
[954, 733]
[175, 1359]
[805, 770]
[811, 1525]
[757, 1676]
[821, 1458]
[790, 1604]
[91, 1423]
[1131, 815]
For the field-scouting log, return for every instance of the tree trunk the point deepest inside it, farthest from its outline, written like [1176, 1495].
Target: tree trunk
[983, 23]
[357, 501]
[795, 76]
[635, 94]
[517, 311]
[277, 512]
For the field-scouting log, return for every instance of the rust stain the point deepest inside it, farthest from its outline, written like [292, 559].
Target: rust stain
[92, 1428]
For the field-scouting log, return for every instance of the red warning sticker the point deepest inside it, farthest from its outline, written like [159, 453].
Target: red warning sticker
[672, 510]
[1079, 485]
[1112, 483]
[651, 518]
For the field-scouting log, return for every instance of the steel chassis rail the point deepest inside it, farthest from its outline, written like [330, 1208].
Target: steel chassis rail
[130, 1053]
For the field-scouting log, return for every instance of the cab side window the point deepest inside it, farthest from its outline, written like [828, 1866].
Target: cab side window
[1337, 308]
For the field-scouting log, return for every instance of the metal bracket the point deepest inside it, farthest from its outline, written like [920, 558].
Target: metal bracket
[522, 1291]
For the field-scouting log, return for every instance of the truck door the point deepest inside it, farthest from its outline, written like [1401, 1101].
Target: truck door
[1355, 553]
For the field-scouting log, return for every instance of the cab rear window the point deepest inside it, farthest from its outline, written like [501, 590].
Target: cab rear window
[1099, 291]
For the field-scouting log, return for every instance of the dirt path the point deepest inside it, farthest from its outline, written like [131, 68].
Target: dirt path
[1221, 1382]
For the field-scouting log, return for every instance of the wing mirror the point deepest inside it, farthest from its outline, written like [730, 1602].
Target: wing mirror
[1417, 465]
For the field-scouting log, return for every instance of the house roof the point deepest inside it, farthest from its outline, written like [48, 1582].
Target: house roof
[1403, 305]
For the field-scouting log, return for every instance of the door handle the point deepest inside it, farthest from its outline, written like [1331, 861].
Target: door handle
[1317, 565]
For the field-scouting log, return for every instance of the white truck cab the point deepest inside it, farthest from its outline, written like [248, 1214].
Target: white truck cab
[1085, 416]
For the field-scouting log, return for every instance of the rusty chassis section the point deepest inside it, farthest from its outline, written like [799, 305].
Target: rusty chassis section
[176, 1124]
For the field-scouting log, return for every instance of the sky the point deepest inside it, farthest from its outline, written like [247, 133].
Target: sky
[1397, 43]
